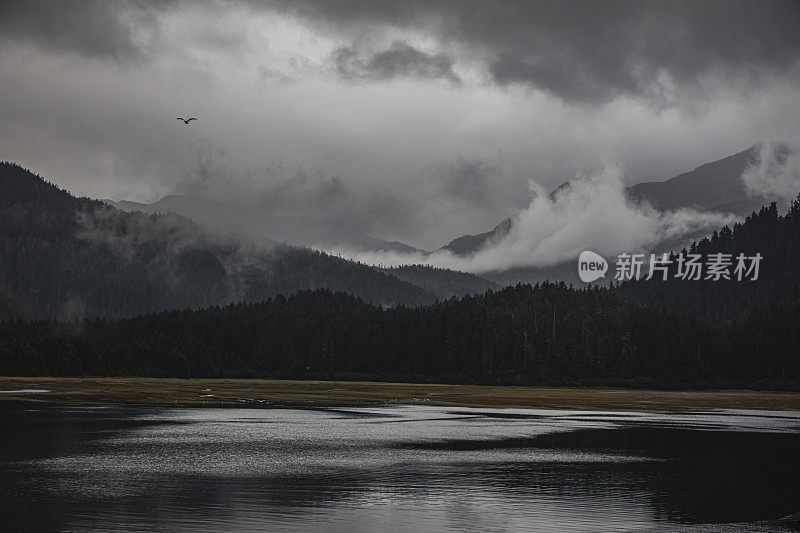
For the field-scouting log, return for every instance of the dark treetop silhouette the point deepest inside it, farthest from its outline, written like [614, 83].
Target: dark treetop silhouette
[65, 258]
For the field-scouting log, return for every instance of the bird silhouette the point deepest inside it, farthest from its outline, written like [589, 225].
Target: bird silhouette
[187, 120]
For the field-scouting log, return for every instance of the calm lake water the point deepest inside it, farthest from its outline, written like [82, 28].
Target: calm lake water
[404, 468]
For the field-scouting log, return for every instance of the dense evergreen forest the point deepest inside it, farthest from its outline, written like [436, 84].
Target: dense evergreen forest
[673, 333]
[775, 237]
[442, 282]
[543, 334]
[66, 257]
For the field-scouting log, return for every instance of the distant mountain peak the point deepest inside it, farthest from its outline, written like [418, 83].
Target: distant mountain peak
[68, 257]
[715, 186]
[469, 244]
[254, 222]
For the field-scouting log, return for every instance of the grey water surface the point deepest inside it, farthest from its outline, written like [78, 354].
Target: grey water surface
[396, 468]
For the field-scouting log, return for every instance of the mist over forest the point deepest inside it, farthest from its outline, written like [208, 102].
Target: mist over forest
[400, 265]
[411, 182]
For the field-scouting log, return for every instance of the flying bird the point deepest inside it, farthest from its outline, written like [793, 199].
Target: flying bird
[187, 120]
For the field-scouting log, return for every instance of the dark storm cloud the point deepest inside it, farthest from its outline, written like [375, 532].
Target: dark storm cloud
[292, 190]
[89, 28]
[589, 51]
[469, 180]
[579, 50]
[391, 116]
[399, 60]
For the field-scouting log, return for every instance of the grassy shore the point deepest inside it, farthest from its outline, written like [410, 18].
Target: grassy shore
[279, 392]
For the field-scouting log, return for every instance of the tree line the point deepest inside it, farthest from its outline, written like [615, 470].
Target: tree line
[542, 334]
[654, 333]
[65, 257]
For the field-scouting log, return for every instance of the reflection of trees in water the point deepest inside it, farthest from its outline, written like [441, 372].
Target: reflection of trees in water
[697, 476]
[702, 476]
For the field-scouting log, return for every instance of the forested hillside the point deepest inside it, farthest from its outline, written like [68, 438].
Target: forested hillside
[543, 334]
[64, 256]
[68, 257]
[442, 282]
[775, 237]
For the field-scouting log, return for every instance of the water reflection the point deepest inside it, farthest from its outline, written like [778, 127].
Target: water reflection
[396, 469]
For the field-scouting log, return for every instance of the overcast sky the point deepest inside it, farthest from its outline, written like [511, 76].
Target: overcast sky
[418, 120]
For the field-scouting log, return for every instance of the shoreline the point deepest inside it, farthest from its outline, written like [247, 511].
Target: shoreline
[294, 393]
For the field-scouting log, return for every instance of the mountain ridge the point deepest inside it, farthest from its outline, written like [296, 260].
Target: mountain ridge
[715, 186]
[256, 224]
[69, 257]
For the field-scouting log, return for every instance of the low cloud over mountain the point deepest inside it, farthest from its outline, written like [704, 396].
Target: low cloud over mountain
[597, 212]
[408, 121]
